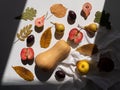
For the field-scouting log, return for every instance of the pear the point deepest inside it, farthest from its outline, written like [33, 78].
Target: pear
[91, 27]
[60, 28]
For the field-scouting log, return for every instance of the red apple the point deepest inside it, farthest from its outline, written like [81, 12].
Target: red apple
[27, 54]
[75, 35]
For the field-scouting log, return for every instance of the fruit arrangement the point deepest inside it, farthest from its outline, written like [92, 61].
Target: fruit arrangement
[56, 52]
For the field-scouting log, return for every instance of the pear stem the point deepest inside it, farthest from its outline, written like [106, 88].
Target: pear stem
[52, 23]
[80, 27]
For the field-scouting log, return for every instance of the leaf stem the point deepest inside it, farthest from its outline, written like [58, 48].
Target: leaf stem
[15, 41]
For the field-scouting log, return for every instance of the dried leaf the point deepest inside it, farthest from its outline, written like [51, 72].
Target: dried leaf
[58, 10]
[21, 39]
[24, 32]
[28, 14]
[46, 38]
[87, 49]
[97, 18]
[24, 73]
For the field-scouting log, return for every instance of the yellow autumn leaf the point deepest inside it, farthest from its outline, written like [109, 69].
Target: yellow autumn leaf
[24, 73]
[87, 49]
[46, 38]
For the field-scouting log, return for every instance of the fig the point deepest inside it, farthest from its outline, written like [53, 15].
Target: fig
[86, 9]
[39, 24]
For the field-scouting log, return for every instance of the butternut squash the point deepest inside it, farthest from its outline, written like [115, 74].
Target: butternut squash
[49, 59]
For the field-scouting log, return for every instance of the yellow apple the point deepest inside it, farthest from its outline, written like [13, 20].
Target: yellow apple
[83, 66]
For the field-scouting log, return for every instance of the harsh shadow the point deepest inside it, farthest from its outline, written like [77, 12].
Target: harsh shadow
[58, 36]
[38, 29]
[42, 75]
[29, 62]
[8, 26]
[108, 41]
[71, 43]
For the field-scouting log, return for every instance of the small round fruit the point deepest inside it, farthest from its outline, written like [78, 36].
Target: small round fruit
[71, 17]
[83, 66]
[30, 40]
[72, 14]
[60, 75]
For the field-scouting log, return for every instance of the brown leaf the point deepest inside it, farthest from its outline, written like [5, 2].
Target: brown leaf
[46, 38]
[24, 73]
[24, 32]
[58, 10]
[87, 49]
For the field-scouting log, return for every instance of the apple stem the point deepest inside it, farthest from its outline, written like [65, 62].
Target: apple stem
[52, 23]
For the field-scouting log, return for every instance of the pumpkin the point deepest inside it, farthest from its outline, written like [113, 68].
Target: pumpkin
[49, 59]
